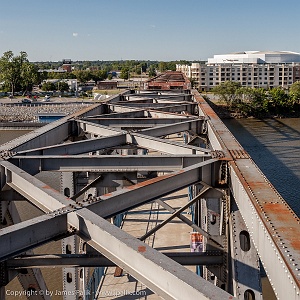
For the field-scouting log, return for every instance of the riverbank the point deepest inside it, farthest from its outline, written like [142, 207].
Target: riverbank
[225, 113]
[28, 113]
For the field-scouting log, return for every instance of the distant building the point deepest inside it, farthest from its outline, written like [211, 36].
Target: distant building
[107, 85]
[265, 69]
[171, 80]
[67, 65]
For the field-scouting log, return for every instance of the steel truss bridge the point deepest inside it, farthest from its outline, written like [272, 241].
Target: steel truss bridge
[117, 155]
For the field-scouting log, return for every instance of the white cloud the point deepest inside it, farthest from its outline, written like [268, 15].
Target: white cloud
[152, 26]
[75, 34]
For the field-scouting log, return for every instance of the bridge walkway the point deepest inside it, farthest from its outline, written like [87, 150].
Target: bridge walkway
[174, 236]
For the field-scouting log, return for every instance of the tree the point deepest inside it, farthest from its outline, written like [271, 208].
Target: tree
[29, 76]
[228, 91]
[254, 100]
[152, 71]
[294, 92]
[125, 73]
[162, 66]
[48, 86]
[83, 76]
[62, 86]
[280, 100]
[11, 69]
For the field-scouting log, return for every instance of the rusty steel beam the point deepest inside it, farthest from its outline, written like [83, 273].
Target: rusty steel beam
[273, 226]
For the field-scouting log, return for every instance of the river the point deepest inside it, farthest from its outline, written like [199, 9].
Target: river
[274, 145]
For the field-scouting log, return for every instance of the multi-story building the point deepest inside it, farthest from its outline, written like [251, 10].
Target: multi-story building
[251, 69]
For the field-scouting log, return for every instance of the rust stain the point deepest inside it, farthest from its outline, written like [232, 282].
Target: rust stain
[281, 211]
[141, 249]
[291, 234]
[150, 181]
[107, 195]
[47, 187]
[296, 244]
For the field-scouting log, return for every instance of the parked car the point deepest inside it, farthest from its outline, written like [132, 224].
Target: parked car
[25, 100]
[46, 98]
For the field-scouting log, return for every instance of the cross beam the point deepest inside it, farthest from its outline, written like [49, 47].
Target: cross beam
[88, 260]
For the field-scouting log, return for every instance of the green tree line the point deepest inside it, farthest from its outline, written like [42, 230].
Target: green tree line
[259, 102]
[18, 74]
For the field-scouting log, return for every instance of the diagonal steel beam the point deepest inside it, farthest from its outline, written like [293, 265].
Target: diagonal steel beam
[132, 196]
[49, 134]
[36, 191]
[20, 237]
[84, 189]
[97, 129]
[175, 214]
[187, 221]
[79, 147]
[161, 274]
[189, 125]
[163, 145]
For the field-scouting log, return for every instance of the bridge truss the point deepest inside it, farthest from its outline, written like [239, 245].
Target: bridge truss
[118, 155]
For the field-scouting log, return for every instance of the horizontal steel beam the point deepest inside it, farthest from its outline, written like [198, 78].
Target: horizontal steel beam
[161, 274]
[105, 163]
[86, 260]
[158, 95]
[135, 122]
[139, 113]
[183, 106]
[136, 113]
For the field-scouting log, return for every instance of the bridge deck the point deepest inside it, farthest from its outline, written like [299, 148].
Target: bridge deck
[175, 236]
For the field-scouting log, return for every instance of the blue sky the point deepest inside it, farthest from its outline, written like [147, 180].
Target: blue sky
[149, 30]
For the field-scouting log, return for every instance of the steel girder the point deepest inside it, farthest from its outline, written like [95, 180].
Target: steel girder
[195, 126]
[170, 107]
[48, 199]
[161, 274]
[79, 147]
[29, 234]
[49, 134]
[90, 260]
[87, 225]
[273, 227]
[119, 140]
[271, 223]
[105, 163]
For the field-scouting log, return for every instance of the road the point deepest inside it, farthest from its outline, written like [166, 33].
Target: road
[6, 100]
